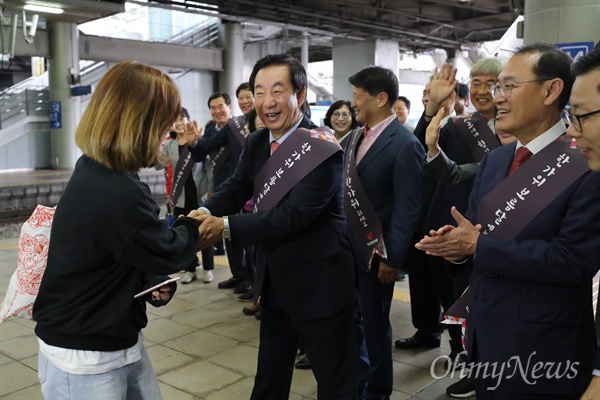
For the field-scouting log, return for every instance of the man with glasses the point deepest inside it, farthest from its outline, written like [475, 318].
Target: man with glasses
[531, 235]
[585, 129]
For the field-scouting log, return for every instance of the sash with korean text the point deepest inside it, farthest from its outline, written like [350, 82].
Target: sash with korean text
[236, 130]
[360, 214]
[477, 135]
[519, 198]
[296, 157]
[180, 174]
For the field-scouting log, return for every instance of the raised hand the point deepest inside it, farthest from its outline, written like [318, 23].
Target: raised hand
[432, 135]
[442, 84]
[453, 244]
[191, 132]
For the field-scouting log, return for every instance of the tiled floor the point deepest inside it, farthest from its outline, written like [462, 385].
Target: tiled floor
[203, 347]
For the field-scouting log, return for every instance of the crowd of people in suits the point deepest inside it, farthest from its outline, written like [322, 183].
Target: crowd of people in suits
[320, 222]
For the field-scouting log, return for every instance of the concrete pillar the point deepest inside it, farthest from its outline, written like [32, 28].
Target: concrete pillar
[350, 56]
[233, 61]
[304, 54]
[561, 21]
[63, 70]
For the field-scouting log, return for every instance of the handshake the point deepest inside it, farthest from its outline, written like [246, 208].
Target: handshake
[211, 228]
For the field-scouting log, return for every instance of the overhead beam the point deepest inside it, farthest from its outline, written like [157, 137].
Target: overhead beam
[97, 48]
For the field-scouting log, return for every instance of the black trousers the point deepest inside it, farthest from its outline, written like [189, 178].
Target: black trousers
[329, 344]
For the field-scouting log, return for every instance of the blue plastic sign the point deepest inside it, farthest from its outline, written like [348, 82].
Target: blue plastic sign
[576, 50]
[55, 115]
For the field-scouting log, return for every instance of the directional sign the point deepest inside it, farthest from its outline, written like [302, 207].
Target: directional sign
[55, 115]
[576, 50]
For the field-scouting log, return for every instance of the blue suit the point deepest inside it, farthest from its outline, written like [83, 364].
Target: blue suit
[390, 172]
[305, 272]
[535, 293]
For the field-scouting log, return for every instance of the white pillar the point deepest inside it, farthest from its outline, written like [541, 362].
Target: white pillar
[63, 68]
[350, 56]
[561, 21]
[304, 54]
[233, 62]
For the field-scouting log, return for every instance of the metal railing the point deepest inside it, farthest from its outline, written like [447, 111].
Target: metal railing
[16, 105]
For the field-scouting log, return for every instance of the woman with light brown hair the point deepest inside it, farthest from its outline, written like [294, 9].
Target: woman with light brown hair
[108, 245]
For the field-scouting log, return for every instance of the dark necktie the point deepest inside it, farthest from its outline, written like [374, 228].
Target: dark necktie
[523, 154]
[274, 146]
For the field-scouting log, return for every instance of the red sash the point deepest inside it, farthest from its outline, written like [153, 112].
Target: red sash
[296, 157]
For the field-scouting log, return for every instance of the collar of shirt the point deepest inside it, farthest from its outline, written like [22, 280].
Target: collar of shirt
[288, 133]
[537, 144]
[374, 131]
[492, 125]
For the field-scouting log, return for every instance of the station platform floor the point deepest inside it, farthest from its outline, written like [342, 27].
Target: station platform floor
[203, 347]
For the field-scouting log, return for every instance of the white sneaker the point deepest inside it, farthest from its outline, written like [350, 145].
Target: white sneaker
[188, 277]
[207, 276]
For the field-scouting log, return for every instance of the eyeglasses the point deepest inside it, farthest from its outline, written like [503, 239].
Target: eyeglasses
[343, 114]
[506, 89]
[575, 120]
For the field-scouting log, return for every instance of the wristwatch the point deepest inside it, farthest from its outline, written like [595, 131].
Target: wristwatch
[226, 233]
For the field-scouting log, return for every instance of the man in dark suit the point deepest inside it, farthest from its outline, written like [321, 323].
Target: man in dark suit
[219, 139]
[585, 129]
[432, 288]
[389, 165]
[304, 264]
[530, 314]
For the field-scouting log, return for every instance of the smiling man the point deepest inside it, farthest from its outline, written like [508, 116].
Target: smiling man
[304, 263]
[532, 235]
[585, 129]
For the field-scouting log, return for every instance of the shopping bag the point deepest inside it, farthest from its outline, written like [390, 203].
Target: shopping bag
[33, 255]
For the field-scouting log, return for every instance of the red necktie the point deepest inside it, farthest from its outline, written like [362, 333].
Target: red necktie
[274, 146]
[523, 154]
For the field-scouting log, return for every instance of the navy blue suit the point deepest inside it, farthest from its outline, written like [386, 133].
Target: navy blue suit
[535, 293]
[305, 272]
[390, 172]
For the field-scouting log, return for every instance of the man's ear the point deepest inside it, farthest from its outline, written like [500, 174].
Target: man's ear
[382, 100]
[554, 89]
[301, 96]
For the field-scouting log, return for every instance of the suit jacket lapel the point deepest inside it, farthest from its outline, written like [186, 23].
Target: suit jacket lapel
[380, 143]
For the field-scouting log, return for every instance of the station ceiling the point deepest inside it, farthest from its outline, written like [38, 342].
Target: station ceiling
[417, 25]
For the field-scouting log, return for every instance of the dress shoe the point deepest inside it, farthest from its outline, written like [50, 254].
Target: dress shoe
[242, 287]
[303, 363]
[246, 296]
[249, 311]
[416, 342]
[456, 361]
[258, 315]
[188, 277]
[229, 283]
[207, 276]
